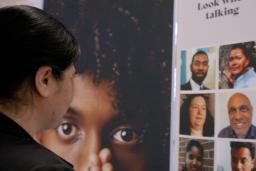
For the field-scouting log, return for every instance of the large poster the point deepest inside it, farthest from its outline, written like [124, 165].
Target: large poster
[120, 113]
[122, 98]
[214, 82]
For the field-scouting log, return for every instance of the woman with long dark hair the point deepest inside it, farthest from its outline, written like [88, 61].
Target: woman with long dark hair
[195, 118]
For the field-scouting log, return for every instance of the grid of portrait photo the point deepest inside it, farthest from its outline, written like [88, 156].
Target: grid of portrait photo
[217, 97]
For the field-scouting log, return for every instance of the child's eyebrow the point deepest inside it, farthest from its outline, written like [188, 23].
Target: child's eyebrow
[71, 111]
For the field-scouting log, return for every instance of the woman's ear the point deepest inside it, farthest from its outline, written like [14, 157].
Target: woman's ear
[43, 80]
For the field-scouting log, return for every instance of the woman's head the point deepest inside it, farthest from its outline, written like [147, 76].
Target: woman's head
[195, 115]
[37, 67]
[30, 39]
[239, 59]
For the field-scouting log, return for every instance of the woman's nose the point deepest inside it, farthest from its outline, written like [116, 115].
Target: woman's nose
[200, 110]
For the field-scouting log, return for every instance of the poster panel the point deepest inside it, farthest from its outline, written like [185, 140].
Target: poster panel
[213, 87]
[122, 91]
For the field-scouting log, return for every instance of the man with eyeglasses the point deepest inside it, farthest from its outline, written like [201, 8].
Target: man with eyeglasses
[193, 156]
[242, 156]
[240, 117]
[199, 68]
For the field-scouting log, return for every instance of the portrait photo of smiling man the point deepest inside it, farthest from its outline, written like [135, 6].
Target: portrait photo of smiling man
[197, 69]
[240, 116]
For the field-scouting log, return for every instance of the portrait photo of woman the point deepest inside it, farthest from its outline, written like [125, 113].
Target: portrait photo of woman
[195, 116]
[237, 65]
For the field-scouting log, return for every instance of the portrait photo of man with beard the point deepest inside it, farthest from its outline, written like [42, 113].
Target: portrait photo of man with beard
[197, 69]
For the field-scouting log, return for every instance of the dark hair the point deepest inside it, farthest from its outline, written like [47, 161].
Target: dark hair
[199, 52]
[245, 50]
[194, 143]
[237, 145]
[208, 128]
[190, 145]
[115, 49]
[30, 38]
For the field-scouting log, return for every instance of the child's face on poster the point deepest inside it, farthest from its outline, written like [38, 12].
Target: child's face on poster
[90, 125]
